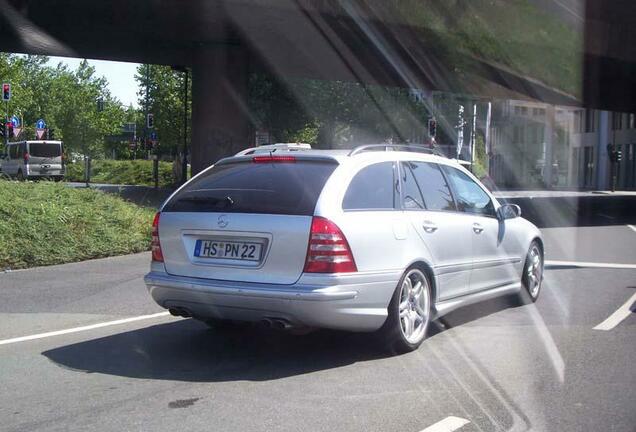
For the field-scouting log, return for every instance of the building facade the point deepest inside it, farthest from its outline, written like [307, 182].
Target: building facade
[534, 145]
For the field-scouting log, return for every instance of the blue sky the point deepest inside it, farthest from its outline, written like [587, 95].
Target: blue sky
[120, 76]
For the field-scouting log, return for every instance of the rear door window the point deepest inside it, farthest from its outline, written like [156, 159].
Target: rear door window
[431, 184]
[13, 152]
[246, 187]
[412, 198]
[373, 188]
[45, 150]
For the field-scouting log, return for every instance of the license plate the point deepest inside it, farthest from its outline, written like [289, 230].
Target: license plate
[234, 250]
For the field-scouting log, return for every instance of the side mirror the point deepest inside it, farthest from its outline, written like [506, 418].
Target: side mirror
[508, 211]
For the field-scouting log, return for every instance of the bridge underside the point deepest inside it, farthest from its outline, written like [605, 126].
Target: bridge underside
[373, 42]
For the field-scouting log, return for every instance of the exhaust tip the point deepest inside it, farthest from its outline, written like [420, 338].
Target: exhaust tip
[281, 324]
[180, 312]
[266, 322]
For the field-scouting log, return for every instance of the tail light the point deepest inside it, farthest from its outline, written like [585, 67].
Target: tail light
[155, 245]
[26, 157]
[328, 250]
[271, 159]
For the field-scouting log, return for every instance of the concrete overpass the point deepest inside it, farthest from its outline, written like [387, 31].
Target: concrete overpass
[374, 42]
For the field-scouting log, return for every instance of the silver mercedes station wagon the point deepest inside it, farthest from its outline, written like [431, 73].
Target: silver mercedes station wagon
[380, 238]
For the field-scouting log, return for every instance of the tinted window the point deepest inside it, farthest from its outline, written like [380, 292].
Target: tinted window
[432, 185]
[470, 197]
[246, 187]
[371, 188]
[45, 150]
[411, 194]
[13, 151]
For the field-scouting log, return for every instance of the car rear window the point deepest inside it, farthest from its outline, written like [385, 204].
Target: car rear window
[45, 150]
[246, 187]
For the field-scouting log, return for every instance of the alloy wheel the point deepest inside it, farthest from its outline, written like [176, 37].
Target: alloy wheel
[414, 306]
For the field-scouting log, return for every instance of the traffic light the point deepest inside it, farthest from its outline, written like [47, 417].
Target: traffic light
[9, 130]
[432, 128]
[6, 92]
[150, 121]
[618, 156]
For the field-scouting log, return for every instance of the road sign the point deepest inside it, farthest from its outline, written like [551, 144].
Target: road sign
[15, 120]
[40, 124]
[153, 136]
[17, 131]
[39, 133]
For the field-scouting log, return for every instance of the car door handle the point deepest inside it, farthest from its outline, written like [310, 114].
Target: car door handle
[477, 228]
[429, 227]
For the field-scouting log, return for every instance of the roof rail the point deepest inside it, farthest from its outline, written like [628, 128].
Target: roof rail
[397, 147]
[270, 148]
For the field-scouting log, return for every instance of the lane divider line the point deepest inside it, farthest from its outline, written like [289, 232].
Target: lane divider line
[619, 315]
[583, 264]
[449, 424]
[83, 328]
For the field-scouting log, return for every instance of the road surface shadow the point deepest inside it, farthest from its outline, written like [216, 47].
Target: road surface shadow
[187, 350]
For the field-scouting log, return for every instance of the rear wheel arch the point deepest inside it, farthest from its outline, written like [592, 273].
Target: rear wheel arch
[428, 271]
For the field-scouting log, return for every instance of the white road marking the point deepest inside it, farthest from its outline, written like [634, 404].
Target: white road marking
[549, 263]
[83, 328]
[615, 319]
[632, 227]
[449, 424]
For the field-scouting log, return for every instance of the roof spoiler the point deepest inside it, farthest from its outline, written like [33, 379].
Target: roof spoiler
[271, 148]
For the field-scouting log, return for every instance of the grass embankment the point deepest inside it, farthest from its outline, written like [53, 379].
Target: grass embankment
[130, 172]
[45, 223]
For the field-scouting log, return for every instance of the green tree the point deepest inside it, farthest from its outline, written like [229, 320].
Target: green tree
[161, 90]
[83, 127]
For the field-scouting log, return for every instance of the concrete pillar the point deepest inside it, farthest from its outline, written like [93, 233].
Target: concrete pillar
[603, 180]
[548, 137]
[220, 117]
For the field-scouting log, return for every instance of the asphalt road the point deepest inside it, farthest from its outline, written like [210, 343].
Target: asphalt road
[495, 366]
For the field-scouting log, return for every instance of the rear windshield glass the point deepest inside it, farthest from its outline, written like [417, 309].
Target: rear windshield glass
[45, 150]
[246, 187]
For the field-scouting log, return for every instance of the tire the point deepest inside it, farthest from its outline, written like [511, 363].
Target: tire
[409, 313]
[532, 276]
[58, 179]
[19, 176]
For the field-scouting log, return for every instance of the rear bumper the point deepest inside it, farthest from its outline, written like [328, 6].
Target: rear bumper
[347, 302]
[46, 173]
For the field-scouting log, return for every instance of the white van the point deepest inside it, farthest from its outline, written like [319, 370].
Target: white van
[33, 159]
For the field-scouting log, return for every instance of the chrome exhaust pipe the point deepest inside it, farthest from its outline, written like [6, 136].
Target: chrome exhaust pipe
[280, 324]
[267, 323]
